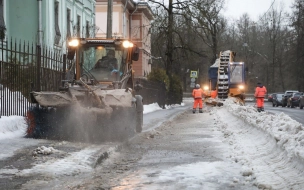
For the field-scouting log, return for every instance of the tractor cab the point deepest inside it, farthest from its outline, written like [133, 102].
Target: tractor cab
[102, 60]
[236, 78]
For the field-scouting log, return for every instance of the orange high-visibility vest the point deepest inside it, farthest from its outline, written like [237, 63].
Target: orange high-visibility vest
[260, 92]
[197, 93]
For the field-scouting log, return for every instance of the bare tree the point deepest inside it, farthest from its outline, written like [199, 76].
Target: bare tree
[297, 22]
[208, 24]
[170, 9]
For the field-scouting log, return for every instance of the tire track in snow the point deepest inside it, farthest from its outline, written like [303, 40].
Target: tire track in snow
[258, 151]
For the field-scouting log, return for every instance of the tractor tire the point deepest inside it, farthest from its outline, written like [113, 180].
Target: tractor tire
[139, 113]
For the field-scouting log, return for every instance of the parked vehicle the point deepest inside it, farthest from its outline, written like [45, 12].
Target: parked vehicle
[293, 100]
[277, 99]
[270, 97]
[287, 95]
[301, 101]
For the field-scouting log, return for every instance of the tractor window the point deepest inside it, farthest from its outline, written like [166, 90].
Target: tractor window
[104, 63]
[236, 74]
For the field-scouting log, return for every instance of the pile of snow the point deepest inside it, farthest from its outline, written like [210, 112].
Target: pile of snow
[43, 150]
[12, 126]
[151, 108]
[154, 107]
[288, 133]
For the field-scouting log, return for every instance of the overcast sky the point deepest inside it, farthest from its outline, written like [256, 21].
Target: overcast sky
[236, 8]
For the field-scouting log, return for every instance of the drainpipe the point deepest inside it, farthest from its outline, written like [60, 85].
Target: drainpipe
[124, 19]
[109, 19]
[130, 32]
[40, 22]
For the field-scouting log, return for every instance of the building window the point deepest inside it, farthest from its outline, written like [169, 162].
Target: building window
[87, 29]
[78, 26]
[2, 23]
[68, 24]
[57, 30]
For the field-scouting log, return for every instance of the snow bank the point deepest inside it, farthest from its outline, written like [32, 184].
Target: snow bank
[288, 133]
[12, 126]
[154, 107]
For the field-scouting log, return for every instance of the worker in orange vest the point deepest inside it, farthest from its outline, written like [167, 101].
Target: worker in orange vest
[197, 94]
[213, 93]
[260, 92]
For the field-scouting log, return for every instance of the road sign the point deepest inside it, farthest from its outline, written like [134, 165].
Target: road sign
[193, 74]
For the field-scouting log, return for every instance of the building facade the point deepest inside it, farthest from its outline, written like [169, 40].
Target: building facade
[47, 22]
[130, 20]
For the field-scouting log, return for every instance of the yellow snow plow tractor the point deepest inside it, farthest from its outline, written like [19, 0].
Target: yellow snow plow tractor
[96, 101]
[227, 78]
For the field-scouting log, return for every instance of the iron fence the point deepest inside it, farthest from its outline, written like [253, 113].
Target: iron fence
[152, 92]
[25, 67]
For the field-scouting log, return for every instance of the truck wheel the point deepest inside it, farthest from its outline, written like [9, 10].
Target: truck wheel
[139, 113]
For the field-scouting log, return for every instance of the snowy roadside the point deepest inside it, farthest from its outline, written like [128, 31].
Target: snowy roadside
[288, 133]
[269, 147]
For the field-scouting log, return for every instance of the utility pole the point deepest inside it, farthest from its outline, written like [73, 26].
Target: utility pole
[109, 19]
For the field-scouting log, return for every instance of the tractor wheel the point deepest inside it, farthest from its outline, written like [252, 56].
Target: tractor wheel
[139, 113]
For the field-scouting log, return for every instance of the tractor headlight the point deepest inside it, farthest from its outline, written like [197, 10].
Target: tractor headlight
[127, 44]
[241, 87]
[74, 43]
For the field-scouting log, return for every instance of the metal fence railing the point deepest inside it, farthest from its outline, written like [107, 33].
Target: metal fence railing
[152, 92]
[25, 67]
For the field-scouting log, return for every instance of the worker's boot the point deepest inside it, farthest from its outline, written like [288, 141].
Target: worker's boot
[201, 110]
[193, 110]
[259, 109]
[262, 108]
